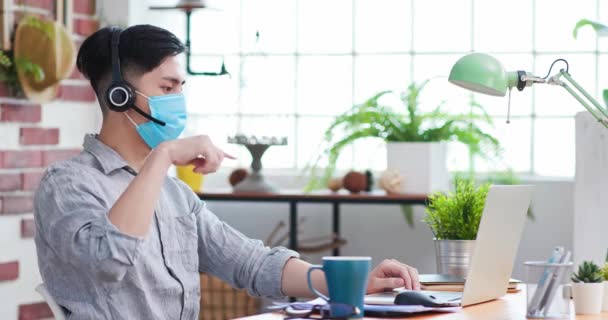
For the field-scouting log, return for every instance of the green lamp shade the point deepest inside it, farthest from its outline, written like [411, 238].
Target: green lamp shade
[480, 72]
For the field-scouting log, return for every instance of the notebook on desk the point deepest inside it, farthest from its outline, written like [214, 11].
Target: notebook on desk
[498, 238]
[446, 282]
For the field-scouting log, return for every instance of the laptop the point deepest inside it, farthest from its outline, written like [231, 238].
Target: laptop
[500, 229]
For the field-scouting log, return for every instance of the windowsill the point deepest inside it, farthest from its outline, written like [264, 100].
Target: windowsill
[294, 178]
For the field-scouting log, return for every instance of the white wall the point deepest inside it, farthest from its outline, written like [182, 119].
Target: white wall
[12, 246]
[590, 236]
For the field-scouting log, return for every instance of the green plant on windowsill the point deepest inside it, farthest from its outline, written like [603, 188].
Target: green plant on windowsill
[588, 272]
[604, 271]
[456, 215]
[405, 123]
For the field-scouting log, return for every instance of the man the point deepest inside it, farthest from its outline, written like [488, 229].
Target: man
[117, 238]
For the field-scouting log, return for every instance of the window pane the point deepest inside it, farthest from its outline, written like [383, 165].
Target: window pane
[441, 25]
[172, 20]
[213, 95]
[555, 20]
[553, 100]
[218, 128]
[515, 143]
[310, 138]
[376, 73]
[521, 101]
[325, 85]
[439, 90]
[325, 26]
[216, 31]
[382, 25]
[602, 75]
[554, 150]
[603, 18]
[272, 126]
[267, 85]
[276, 22]
[497, 29]
[311, 143]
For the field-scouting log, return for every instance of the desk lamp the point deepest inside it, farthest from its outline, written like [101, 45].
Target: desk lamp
[480, 72]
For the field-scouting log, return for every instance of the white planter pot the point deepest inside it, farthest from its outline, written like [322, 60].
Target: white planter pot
[588, 297]
[605, 300]
[421, 164]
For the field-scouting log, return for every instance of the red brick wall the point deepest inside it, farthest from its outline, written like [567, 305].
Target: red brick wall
[22, 164]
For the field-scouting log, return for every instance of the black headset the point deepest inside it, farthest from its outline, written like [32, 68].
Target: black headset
[120, 95]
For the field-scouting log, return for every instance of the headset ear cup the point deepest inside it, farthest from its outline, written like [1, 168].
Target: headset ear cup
[119, 97]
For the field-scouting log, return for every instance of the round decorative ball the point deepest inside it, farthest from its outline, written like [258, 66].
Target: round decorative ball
[391, 181]
[237, 176]
[335, 184]
[355, 182]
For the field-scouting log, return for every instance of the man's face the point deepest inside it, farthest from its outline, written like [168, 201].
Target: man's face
[167, 78]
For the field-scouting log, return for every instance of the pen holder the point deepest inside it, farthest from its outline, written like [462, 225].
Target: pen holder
[548, 295]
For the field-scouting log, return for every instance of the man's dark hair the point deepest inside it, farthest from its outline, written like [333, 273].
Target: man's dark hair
[142, 48]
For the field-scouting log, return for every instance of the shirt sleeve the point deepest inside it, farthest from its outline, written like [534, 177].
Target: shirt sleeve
[73, 220]
[242, 262]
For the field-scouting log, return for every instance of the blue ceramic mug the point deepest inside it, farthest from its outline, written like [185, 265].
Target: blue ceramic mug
[346, 279]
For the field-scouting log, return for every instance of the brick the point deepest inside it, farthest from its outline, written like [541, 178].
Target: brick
[35, 311]
[81, 93]
[38, 136]
[51, 156]
[18, 15]
[10, 182]
[30, 180]
[17, 204]
[9, 271]
[85, 27]
[28, 228]
[84, 6]
[20, 112]
[21, 159]
[43, 4]
[4, 90]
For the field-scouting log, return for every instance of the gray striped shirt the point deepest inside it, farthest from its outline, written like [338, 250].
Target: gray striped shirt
[94, 271]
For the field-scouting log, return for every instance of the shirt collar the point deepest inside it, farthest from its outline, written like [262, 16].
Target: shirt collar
[109, 159]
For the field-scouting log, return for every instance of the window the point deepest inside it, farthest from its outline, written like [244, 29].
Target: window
[314, 58]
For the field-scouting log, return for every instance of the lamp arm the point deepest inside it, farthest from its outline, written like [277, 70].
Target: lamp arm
[601, 116]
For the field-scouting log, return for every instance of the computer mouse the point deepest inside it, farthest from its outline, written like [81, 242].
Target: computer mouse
[419, 298]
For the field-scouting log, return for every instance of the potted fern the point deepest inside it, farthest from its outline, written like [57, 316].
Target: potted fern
[454, 220]
[587, 289]
[416, 139]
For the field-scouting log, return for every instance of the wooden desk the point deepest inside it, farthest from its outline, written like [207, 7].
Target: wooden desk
[293, 197]
[510, 307]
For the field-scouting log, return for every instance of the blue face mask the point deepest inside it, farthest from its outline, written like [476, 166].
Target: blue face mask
[170, 109]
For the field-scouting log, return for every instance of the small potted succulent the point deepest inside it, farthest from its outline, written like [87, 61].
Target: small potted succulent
[588, 289]
[604, 273]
